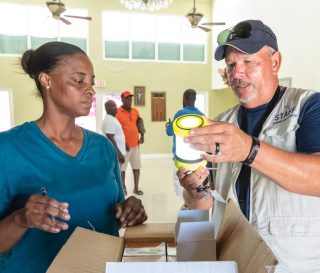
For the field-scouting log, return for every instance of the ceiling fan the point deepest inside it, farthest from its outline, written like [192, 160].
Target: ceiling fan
[57, 7]
[195, 16]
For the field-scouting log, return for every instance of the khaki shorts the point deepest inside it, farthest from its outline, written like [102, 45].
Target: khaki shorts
[132, 156]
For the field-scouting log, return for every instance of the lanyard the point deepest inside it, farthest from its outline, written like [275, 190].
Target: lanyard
[245, 173]
[271, 105]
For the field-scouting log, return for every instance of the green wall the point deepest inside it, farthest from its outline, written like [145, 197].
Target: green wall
[173, 78]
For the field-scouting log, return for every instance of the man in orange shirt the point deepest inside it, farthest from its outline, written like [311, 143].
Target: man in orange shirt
[128, 117]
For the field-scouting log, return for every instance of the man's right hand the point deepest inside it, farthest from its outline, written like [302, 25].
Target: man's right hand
[121, 158]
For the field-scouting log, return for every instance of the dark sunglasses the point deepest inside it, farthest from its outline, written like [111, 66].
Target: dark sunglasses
[242, 30]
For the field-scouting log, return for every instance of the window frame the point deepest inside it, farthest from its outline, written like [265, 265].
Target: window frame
[59, 32]
[11, 111]
[156, 42]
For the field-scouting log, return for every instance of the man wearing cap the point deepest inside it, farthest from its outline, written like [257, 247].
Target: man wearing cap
[128, 117]
[267, 149]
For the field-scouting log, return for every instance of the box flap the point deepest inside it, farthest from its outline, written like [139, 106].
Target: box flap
[196, 231]
[150, 232]
[238, 241]
[191, 216]
[218, 212]
[196, 242]
[172, 267]
[87, 251]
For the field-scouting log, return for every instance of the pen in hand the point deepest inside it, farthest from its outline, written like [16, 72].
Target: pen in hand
[44, 193]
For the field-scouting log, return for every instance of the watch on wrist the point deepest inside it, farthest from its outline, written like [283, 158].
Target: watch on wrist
[253, 152]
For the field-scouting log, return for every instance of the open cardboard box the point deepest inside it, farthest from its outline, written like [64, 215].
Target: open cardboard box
[88, 251]
[195, 239]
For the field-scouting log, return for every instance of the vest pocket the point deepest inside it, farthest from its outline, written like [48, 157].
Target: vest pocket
[294, 226]
[295, 242]
[281, 129]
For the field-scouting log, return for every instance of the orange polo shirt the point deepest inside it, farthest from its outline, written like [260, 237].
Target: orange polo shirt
[128, 122]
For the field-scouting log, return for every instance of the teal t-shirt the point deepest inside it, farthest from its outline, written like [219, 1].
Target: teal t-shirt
[90, 182]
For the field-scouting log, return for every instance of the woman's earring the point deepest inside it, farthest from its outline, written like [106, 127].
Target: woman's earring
[47, 87]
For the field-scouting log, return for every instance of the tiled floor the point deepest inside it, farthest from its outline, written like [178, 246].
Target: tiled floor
[156, 181]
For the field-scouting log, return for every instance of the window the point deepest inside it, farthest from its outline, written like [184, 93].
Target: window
[23, 27]
[192, 49]
[6, 110]
[13, 29]
[139, 36]
[117, 44]
[202, 102]
[169, 41]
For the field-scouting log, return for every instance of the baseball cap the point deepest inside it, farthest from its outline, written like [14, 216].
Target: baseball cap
[125, 94]
[247, 36]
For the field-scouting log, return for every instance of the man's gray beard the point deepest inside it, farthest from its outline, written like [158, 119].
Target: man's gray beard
[247, 99]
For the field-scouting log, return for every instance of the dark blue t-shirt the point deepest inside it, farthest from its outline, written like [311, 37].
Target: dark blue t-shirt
[307, 136]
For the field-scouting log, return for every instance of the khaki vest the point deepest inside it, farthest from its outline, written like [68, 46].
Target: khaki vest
[288, 222]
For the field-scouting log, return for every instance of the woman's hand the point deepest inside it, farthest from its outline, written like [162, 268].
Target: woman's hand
[190, 181]
[131, 212]
[40, 212]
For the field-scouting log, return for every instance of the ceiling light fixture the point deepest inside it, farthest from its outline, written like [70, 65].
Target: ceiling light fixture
[146, 5]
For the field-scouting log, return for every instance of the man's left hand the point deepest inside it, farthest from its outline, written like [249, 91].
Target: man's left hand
[131, 212]
[141, 140]
[234, 144]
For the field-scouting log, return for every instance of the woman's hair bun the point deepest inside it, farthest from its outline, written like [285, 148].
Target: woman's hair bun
[26, 62]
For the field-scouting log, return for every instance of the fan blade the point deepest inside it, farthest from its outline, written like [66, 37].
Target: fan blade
[79, 17]
[64, 20]
[214, 24]
[204, 28]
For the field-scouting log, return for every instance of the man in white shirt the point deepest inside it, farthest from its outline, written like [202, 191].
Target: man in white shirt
[111, 127]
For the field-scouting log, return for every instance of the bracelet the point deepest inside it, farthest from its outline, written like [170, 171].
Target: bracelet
[202, 192]
[253, 153]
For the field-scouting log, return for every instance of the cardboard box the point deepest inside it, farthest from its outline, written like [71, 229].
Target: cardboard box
[153, 232]
[196, 242]
[191, 216]
[144, 249]
[140, 259]
[174, 267]
[144, 252]
[88, 251]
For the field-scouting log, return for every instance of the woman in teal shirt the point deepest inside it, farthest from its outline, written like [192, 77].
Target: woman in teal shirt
[78, 168]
